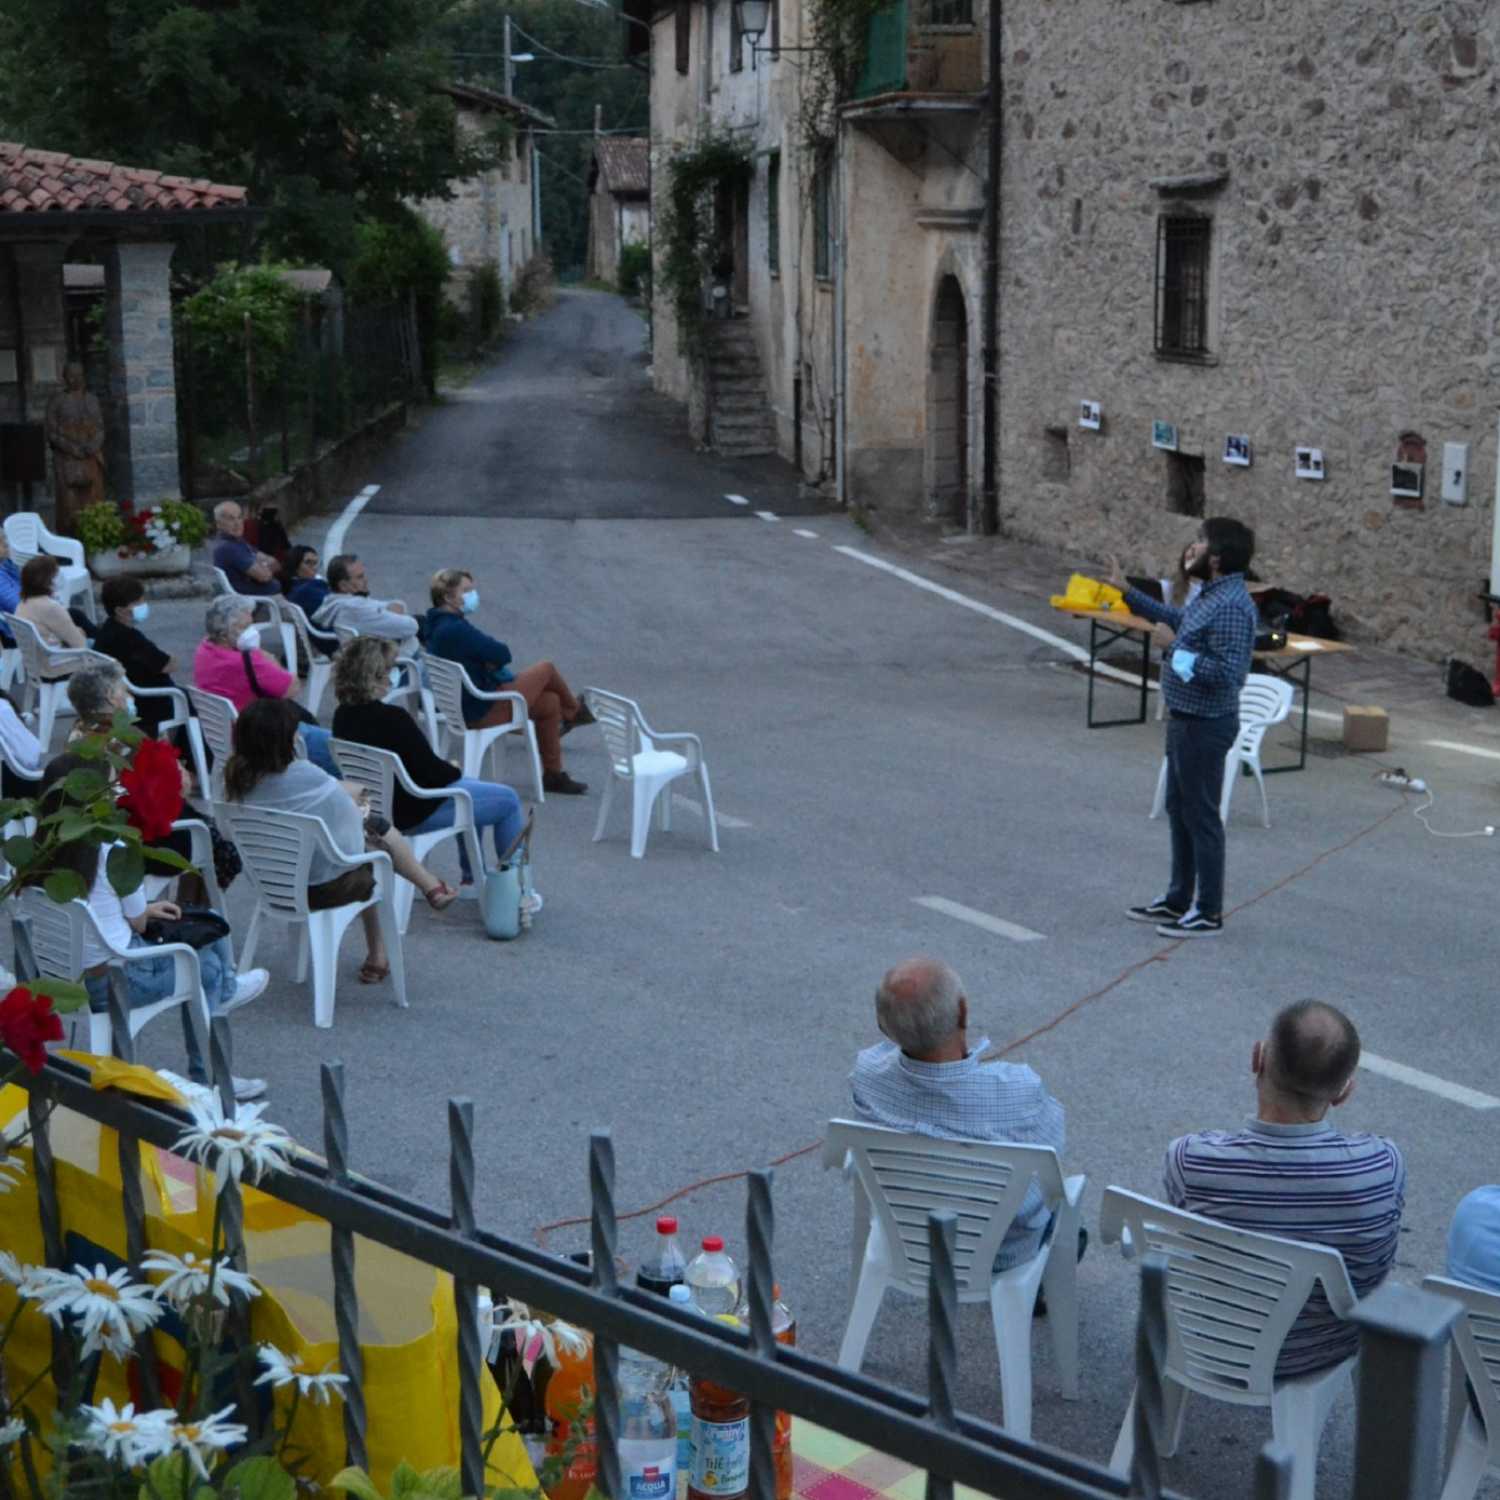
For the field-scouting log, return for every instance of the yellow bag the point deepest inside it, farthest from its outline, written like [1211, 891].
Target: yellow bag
[1089, 593]
[407, 1316]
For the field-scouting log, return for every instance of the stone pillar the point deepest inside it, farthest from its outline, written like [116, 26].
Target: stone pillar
[143, 380]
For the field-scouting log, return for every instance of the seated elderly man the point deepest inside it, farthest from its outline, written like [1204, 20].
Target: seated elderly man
[348, 604]
[1288, 1172]
[249, 571]
[927, 1079]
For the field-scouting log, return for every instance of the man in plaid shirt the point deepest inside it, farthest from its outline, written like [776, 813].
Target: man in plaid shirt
[1200, 681]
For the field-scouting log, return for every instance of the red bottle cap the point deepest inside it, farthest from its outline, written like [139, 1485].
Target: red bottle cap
[713, 1243]
[666, 1225]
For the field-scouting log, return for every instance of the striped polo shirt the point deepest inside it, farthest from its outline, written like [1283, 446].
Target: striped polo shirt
[1303, 1182]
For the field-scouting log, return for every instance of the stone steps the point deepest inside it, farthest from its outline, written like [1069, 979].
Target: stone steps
[739, 422]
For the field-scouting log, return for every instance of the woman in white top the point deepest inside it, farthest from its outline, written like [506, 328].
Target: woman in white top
[55, 624]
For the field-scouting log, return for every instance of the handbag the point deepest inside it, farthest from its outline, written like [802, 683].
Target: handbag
[198, 927]
[504, 901]
[303, 716]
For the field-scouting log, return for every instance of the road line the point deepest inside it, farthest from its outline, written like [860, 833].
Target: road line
[1427, 1082]
[998, 925]
[768, 515]
[723, 819]
[812, 536]
[736, 499]
[1466, 749]
[333, 543]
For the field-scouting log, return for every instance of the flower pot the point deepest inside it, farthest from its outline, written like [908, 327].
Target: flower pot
[110, 564]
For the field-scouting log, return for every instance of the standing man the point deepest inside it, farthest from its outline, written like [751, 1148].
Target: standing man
[1200, 681]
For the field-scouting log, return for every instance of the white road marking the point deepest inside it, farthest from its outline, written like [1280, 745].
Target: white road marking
[736, 499]
[768, 515]
[1427, 1082]
[1466, 749]
[723, 819]
[812, 536]
[998, 925]
[333, 543]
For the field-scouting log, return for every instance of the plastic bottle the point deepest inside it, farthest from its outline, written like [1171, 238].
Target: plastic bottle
[571, 1384]
[713, 1279]
[784, 1327]
[648, 1428]
[665, 1268]
[721, 1437]
[682, 1400]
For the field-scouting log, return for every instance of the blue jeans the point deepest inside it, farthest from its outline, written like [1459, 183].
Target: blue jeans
[315, 741]
[1195, 782]
[496, 807]
[151, 980]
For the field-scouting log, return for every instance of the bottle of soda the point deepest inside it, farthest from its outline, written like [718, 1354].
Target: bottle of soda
[784, 1327]
[664, 1270]
[648, 1428]
[713, 1279]
[682, 1400]
[569, 1389]
[721, 1437]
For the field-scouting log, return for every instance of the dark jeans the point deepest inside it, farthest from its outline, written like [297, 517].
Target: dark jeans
[1195, 782]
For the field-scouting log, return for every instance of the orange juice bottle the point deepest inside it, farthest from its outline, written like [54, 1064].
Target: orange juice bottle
[571, 1385]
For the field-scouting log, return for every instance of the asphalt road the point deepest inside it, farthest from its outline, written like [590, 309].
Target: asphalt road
[871, 744]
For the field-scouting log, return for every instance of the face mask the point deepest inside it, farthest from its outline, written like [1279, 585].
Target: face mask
[130, 706]
[470, 601]
[249, 639]
[139, 613]
[395, 677]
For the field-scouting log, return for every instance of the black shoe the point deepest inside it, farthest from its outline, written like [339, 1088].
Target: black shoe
[1193, 925]
[1157, 911]
[582, 717]
[563, 784]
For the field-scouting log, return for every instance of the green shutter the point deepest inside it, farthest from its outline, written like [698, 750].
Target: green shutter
[884, 71]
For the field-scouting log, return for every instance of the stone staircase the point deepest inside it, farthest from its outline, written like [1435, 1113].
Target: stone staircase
[739, 412]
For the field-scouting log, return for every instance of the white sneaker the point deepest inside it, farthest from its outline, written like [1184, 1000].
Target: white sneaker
[250, 985]
[532, 903]
[246, 1089]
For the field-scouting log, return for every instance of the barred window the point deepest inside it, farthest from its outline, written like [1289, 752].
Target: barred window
[1182, 257]
[684, 23]
[773, 213]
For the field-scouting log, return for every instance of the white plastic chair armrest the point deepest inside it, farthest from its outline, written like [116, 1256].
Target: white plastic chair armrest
[85, 655]
[1339, 1290]
[184, 961]
[176, 694]
[1073, 1189]
[62, 546]
[499, 697]
[693, 743]
[1113, 1229]
[429, 793]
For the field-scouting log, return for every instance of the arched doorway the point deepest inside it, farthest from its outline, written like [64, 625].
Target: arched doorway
[948, 407]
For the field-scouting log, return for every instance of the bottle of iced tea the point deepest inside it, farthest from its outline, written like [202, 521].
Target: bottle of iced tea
[721, 1438]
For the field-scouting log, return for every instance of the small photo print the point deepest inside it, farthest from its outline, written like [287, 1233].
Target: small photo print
[1406, 480]
[1089, 415]
[1164, 435]
[1237, 450]
[1310, 463]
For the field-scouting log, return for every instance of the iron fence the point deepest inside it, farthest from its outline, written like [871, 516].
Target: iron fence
[1401, 1368]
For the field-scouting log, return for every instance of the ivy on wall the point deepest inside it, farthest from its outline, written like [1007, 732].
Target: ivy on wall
[838, 39]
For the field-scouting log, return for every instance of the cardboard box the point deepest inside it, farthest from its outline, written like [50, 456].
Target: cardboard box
[1366, 729]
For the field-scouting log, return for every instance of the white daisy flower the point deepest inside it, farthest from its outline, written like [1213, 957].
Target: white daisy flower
[13, 1272]
[206, 1436]
[12, 1170]
[537, 1336]
[12, 1432]
[188, 1277]
[283, 1369]
[111, 1308]
[234, 1147]
[124, 1435]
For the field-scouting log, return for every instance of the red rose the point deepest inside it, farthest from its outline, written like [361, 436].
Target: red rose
[26, 1023]
[153, 789]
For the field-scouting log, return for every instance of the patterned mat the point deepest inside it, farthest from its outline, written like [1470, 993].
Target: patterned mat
[826, 1466]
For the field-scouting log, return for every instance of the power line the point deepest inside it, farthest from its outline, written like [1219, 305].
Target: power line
[579, 62]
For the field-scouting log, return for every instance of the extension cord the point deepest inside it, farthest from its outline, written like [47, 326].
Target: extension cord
[1402, 780]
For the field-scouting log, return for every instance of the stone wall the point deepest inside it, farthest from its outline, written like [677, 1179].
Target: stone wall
[1353, 287]
[143, 378]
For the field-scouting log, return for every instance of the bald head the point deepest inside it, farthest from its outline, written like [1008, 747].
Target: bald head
[920, 1005]
[1312, 1052]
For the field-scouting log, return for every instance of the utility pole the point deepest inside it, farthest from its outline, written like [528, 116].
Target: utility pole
[509, 66]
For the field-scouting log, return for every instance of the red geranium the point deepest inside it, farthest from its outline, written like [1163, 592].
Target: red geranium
[26, 1024]
[153, 789]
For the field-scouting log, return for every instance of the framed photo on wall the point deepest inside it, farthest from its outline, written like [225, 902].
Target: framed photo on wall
[1090, 415]
[1310, 463]
[1237, 450]
[1164, 435]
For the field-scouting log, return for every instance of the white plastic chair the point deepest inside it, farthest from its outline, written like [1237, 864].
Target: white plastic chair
[637, 755]
[1264, 701]
[448, 683]
[57, 930]
[1232, 1297]
[159, 881]
[215, 719]
[1473, 1444]
[379, 772]
[277, 849]
[29, 537]
[43, 700]
[181, 718]
[899, 1179]
[319, 667]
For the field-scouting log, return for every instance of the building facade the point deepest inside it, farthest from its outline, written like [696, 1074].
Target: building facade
[619, 203]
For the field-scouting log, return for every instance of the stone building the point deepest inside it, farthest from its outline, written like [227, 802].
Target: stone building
[55, 208]
[1269, 230]
[619, 203]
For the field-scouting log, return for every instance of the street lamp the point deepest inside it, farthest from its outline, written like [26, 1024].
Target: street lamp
[751, 17]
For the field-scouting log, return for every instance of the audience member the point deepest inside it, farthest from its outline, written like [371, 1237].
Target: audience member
[348, 604]
[10, 584]
[123, 921]
[925, 1078]
[248, 570]
[300, 581]
[56, 625]
[21, 764]
[554, 710]
[120, 636]
[1287, 1171]
[1474, 1239]
[364, 674]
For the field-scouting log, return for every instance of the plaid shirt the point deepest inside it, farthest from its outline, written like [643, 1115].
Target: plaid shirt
[1220, 627]
[965, 1101]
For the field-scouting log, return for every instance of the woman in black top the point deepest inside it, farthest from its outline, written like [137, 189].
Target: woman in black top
[120, 636]
[361, 680]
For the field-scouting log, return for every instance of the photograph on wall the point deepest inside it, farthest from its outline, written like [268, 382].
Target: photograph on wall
[1164, 435]
[1237, 450]
[1406, 480]
[1089, 415]
[1310, 463]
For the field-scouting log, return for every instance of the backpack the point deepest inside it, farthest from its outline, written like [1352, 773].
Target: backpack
[1468, 684]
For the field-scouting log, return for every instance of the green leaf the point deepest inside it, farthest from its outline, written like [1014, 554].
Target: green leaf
[168, 857]
[357, 1483]
[260, 1479]
[13, 810]
[84, 785]
[66, 995]
[20, 851]
[74, 827]
[65, 885]
[126, 868]
[169, 1478]
[405, 1481]
[444, 1483]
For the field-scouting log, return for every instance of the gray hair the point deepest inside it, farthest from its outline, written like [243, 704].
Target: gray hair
[917, 1004]
[222, 613]
[222, 509]
[91, 691]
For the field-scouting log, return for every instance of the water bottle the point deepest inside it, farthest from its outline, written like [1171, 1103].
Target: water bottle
[713, 1279]
[648, 1428]
[664, 1270]
[681, 1395]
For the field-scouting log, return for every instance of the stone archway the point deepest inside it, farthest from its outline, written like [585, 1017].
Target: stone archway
[948, 406]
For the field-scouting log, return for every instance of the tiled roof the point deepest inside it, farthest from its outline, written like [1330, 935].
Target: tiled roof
[476, 96]
[35, 182]
[623, 164]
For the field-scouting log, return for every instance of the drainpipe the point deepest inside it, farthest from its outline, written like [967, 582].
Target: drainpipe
[990, 517]
[840, 368]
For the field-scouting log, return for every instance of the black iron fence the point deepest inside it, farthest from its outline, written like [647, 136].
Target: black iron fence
[1399, 1390]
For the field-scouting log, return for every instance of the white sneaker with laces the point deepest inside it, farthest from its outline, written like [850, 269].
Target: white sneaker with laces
[250, 985]
[246, 1089]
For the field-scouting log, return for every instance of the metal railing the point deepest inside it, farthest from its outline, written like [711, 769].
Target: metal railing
[1400, 1380]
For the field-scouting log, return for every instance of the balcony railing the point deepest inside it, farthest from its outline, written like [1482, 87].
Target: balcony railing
[922, 47]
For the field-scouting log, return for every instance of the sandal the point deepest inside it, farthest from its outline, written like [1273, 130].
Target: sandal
[441, 896]
[373, 973]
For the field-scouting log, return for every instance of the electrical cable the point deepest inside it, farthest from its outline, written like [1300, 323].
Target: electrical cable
[577, 62]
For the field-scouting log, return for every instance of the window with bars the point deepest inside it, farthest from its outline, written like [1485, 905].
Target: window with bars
[773, 213]
[945, 12]
[1182, 265]
[823, 217]
[736, 41]
[684, 23]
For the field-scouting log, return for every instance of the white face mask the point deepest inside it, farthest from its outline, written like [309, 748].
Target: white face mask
[395, 677]
[470, 601]
[249, 639]
[139, 613]
[130, 706]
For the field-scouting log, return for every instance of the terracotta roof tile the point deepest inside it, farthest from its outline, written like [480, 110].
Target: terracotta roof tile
[622, 163]
[33, 181]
